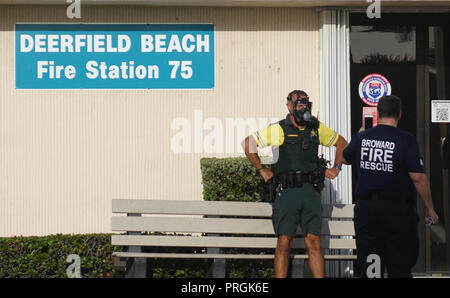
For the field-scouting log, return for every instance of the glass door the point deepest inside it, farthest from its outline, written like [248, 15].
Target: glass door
[438, 81]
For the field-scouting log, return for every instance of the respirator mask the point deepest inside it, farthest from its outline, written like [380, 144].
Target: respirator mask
[303, 116]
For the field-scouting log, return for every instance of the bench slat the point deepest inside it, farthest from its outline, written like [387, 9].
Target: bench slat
[216, 225]
[225, 208]
[222, 242]
[221, 256]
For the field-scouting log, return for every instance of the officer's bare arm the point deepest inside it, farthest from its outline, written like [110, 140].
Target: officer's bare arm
[340, 145]
[249, 145]
[333, 172]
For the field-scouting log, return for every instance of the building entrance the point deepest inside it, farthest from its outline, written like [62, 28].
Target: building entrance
[411, 54]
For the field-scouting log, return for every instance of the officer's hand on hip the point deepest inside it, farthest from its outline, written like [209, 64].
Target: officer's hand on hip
[332, 173]
[266, 174]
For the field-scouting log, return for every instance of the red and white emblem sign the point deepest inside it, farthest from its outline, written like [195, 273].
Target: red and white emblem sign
[373, 87]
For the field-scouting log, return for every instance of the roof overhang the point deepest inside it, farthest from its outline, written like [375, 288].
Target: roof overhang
[240, 3]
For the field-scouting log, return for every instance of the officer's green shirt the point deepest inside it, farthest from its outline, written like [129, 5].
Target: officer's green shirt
[273, 135]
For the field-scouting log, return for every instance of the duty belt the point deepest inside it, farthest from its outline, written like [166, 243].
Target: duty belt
[292, 179]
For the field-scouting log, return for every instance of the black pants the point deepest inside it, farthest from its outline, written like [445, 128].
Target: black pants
[388, 229]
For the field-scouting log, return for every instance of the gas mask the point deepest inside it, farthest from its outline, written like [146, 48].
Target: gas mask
[302, 117]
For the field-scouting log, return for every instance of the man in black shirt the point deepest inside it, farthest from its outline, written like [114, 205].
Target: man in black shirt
[390, 171]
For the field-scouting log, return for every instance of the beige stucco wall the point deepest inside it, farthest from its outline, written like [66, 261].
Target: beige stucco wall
[64, 154]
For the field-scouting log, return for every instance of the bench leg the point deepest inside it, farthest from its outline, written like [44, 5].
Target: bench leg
[137, 268]
[298, 268]
[218, 267]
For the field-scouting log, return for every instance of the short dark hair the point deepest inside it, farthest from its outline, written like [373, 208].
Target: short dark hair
[298, 92]
[389, 106]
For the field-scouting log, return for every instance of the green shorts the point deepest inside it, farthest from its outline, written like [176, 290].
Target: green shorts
[294, 206]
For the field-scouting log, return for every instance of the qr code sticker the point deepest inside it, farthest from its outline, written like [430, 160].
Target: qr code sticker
[442, 115]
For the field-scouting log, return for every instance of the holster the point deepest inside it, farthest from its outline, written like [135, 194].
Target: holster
[272, 188]
[318, 178]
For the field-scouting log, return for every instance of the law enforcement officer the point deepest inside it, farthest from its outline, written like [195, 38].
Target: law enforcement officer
[390, 171]
[297, 176]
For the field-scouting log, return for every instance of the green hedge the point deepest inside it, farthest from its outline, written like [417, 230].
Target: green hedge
[46, 256]
[232, 179]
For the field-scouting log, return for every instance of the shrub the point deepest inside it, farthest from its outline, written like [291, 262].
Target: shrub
[46, 256]
[232, 179]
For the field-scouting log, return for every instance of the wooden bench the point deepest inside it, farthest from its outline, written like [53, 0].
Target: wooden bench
[216, 226]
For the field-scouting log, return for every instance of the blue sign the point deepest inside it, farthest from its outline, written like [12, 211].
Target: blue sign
[114, 56]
